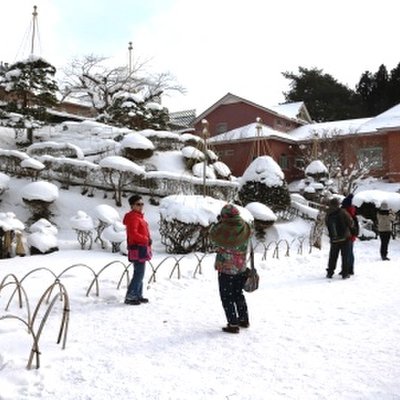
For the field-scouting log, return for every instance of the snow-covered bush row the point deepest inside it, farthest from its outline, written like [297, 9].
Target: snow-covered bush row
[55, 149]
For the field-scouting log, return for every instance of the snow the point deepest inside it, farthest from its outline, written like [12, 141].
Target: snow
[4, 180]
[261, 211]
[44, 191]
[376, 197]
[250, 131]
[33, 164]
[265, 170]
[198, 170]
[192, 152]
[136, 141]
[195, 209]
[310, 337]
[82, 221]
[106, 213]
[121, 164]
[316, 167]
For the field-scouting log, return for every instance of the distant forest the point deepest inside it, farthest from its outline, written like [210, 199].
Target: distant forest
[329, 100]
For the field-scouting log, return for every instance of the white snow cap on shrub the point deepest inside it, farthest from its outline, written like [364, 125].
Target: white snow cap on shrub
[192, 152]
[45, 226]
[261, 211]
[198, 170]
[32, 163]
[9, 222]
[4, 181]
[121, 164]
[222, 169]
[82, 221]
[115, 233]
[106, 214]
[195, 209]
[136, 141]
[316, 167]
[376, 197]
[265, 170]
[44, 191]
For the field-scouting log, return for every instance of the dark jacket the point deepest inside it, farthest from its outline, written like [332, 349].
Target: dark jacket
[343, 221]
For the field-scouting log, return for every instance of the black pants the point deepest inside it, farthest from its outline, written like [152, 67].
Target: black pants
[385, 238]
[344, 249]
[232, 298]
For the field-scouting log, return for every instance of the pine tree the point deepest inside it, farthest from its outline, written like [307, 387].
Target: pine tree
[30, 87]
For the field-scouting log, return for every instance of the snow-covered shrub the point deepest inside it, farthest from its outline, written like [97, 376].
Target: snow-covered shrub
[163, 140]
[83, 225]
[55, 149]
[4, 180]
[263, 216]
[105, 216]
[264, 182]
[185, 222]
[11, 235]
[135, 146]
[43, 237]
[115, 234]
[32, 167]
[10, 161]
[39, 196]
[192, 156]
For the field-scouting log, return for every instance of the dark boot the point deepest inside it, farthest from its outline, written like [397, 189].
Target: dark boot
[231, 328]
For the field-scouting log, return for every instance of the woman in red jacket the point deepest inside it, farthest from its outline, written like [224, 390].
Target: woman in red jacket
[139, 249]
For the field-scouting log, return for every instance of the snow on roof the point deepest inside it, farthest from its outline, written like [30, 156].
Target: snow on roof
[250, 131]
[121, 164]
[136, 141]
[344, 127]
[386, 120]
[41, 190]
[195, 209]
[377, 197]
[265, 170]
[291, 110]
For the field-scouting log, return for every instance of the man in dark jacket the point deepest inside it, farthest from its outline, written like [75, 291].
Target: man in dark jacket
[338, 222]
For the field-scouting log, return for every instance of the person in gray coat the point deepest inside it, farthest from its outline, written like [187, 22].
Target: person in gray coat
[385, 218]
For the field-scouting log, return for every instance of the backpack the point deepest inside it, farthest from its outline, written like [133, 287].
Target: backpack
[355, 230]
[336, 226]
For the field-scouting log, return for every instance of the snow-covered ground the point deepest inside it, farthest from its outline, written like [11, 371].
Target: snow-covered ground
[310, 338]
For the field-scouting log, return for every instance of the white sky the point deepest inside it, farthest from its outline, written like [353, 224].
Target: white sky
[214, 47]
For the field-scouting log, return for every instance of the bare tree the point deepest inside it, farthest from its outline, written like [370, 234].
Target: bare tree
[343, 156]
[92, 79]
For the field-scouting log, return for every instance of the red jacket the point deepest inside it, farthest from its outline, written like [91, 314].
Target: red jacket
[352, 211]
[137, 228]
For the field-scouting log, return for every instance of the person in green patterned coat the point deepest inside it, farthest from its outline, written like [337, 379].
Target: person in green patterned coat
[231, 236]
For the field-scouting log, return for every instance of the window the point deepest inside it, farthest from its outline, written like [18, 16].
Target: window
[299, 163]
[372, 157]
[283, 161]
[222, 127]
[278, 122]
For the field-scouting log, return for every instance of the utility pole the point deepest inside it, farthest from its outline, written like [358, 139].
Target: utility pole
[130, 48]
[34, 26]
[206, 134]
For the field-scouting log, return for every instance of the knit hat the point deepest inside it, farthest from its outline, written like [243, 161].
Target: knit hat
[384, 205]
[229, 211]
[347, 201]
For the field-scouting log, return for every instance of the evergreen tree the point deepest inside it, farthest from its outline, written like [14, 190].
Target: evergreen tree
[30, 87]
[325, 97]
[394, 86]
[130, 110]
